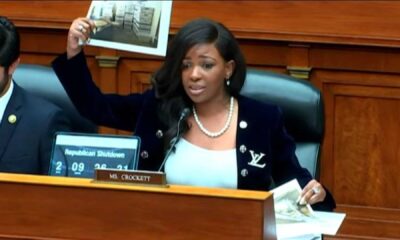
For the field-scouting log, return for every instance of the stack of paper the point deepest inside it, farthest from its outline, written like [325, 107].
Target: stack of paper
[295, 221]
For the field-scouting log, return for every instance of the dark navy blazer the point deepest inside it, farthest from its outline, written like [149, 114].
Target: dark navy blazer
[265, 151]
[26, 143]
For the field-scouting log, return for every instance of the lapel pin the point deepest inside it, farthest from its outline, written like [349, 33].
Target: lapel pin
[12, 119]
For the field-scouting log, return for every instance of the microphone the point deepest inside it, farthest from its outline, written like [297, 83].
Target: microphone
[184, 114]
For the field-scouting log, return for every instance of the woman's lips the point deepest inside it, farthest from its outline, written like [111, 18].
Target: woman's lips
[196, 90]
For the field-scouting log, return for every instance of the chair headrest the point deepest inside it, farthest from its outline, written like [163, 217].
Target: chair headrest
[300, 101]
[43, 82]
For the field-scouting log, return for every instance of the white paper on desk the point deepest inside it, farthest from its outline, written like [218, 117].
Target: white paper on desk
[301, 222]
[327, 223]
[286, 208]
[296, 232]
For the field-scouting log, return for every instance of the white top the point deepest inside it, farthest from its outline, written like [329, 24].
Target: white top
[5, 99]
[196, 166]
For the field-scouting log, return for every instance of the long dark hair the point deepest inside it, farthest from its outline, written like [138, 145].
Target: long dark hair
[167, 81]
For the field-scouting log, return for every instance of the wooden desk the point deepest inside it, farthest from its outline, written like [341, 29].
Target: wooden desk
[43, 207]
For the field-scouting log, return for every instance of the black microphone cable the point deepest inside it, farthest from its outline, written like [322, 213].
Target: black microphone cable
[184, 114]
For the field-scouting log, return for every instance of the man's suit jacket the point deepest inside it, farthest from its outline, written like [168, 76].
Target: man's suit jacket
[27, 131]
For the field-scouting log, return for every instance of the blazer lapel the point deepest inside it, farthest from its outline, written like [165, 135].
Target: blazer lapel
[12, 116]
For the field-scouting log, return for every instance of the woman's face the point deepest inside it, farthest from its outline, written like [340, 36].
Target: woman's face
[204, 72]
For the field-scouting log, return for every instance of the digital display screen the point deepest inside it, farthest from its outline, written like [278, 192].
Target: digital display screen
[78, 155]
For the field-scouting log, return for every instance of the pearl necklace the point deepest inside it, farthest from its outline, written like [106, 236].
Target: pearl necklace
[220, 132]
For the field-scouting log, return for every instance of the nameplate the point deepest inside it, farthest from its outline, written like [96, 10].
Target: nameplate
[131, 177]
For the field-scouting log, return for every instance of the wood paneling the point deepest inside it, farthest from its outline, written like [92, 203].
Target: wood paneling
[346, 22]
[369, 223]
[366, 136]
[368, 59]
[350, 49]
[361, 150]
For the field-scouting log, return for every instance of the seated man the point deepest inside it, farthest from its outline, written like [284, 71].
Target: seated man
[27, 122]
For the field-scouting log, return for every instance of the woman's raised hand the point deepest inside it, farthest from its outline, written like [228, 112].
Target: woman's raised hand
[80, 30]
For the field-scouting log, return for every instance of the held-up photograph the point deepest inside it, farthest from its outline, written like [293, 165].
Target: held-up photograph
[136, 26]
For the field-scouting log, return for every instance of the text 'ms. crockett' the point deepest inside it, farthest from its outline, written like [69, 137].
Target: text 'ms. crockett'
[132, 177]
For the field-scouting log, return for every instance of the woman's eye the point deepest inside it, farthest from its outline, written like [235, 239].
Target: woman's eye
[186, 65]
[208, 65]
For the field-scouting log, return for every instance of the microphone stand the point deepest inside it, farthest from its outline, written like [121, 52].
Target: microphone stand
[185, 113]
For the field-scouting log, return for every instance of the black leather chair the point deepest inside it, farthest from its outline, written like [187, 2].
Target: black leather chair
[42, 81]
[300, 101]
[302, 108]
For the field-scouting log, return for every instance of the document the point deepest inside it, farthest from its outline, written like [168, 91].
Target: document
[294, 221]
[136, 26]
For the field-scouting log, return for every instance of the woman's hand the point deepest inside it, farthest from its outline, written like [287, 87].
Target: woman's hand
[80, 30]
[312, 193]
